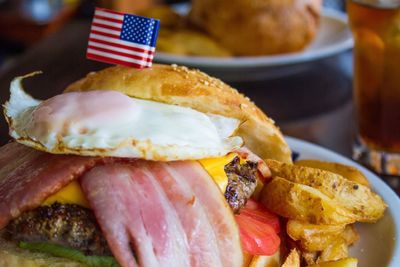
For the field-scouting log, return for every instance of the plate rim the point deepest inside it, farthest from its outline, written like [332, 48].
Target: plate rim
[265, 61]
[378, 185]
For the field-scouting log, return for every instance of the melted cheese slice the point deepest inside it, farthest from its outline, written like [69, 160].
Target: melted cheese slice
[216, 168]
[72, 193]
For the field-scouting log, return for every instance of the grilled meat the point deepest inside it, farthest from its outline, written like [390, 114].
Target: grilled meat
[242, 181]
[76, 227]
[64, 224]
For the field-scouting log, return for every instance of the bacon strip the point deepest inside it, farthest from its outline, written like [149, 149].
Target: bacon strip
[107, 189]
[218, 211]
[203, 245]
[140, 212]
[28, 177]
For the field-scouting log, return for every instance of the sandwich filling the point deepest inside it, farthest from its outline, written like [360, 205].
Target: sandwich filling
[66, 219]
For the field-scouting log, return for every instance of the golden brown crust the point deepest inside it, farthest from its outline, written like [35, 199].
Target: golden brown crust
[258, 27]
[191, 88]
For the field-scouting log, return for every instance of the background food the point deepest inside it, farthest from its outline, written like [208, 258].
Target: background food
[254, 27]
[226, 28]
[177, 36]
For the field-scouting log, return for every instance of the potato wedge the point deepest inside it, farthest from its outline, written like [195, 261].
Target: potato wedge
[349, 172]
[336, 251]
[313, 237]
[310, 258]
[350, 235]
[303, 203]
[292, 260]
[317, 237]
[364, 205]
[266, 261]
[348, 262]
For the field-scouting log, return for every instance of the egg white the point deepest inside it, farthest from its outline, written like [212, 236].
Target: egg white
[109, 123]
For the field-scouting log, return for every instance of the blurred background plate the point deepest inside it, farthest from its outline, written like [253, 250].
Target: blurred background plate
[333, 37]
[379, 242]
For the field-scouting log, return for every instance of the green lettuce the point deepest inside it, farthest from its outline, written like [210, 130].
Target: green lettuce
[69, 253]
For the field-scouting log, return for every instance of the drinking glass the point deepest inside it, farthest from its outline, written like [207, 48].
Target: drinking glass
[376, 29]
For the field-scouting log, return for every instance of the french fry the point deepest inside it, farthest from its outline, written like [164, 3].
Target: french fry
[314, 237]
[292, 260]
[357, 199]
[309, 257]
[349, 172]
[303, 203]
[266, 261]
[336, 251]
[318, 237]
[350, 235]
[348, 262]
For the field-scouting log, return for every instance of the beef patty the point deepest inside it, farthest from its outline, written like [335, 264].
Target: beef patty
[242, 181]
[65, 224]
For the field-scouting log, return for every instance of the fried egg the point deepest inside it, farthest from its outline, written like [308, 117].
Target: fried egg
[109, 123]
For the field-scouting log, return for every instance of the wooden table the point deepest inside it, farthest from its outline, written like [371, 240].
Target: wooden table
[314, 105]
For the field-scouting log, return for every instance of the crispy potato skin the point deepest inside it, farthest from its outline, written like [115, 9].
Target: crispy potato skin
[336, 251]
[318, 237]
[314, 237]
[303, 203]
[349, 172]
[350, 235]
[322, 200]
[361, 203]
[293, 259]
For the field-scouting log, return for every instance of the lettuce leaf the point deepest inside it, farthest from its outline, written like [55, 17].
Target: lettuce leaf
[69, 253]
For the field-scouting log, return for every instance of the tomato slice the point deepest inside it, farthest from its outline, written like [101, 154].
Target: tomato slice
[258, 230]
[257, 238]
[260, 213]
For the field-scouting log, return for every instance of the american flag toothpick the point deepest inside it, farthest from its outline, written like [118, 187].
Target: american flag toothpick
[122, 39]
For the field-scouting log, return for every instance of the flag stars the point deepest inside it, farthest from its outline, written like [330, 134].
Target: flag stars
[138, 29]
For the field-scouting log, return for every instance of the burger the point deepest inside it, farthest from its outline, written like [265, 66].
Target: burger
[153, 167]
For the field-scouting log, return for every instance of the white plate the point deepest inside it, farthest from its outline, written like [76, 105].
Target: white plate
[333, 37]
[379, 243]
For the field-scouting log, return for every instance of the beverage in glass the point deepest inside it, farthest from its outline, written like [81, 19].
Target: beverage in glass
[376, 29]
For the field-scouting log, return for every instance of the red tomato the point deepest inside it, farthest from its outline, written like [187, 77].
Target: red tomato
[260, 213]
[258, 229]
[257, 238]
